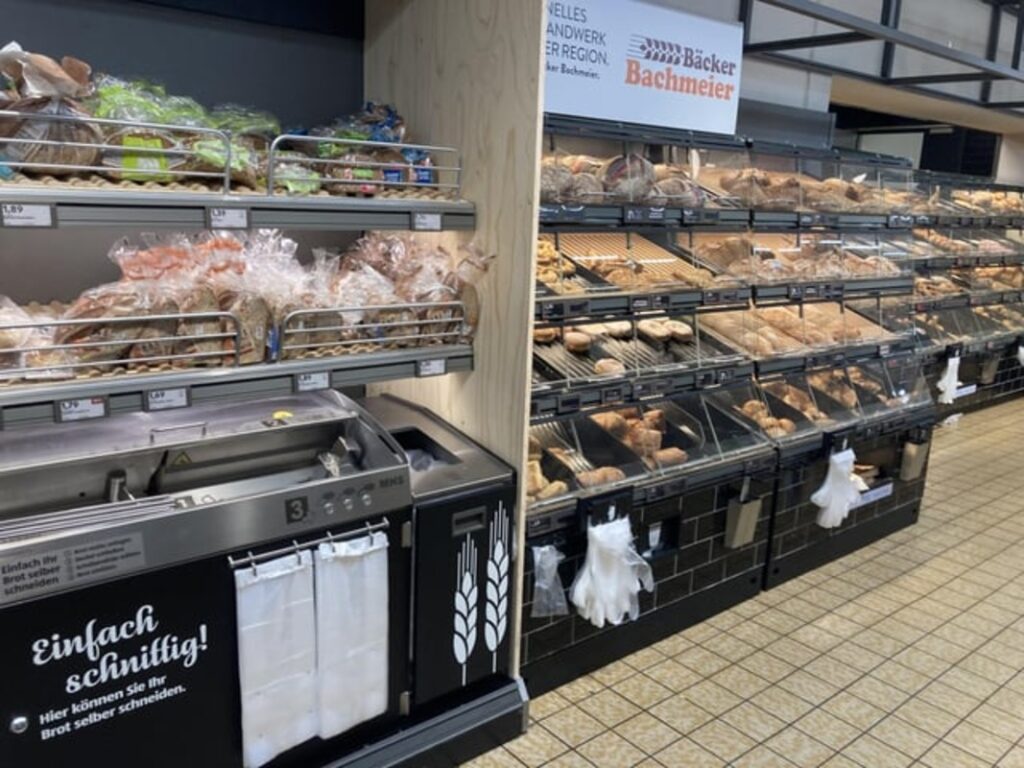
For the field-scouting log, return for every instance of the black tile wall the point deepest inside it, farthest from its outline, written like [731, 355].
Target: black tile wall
[699, 561]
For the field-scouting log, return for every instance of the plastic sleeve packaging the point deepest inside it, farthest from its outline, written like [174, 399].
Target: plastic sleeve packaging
[352, 632]
[276, 656]
[548, 592]
[607, 587]
[949, 381]
[840, 491]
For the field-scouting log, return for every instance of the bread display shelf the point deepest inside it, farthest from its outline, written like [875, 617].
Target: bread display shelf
[125, 392]
[650, 449]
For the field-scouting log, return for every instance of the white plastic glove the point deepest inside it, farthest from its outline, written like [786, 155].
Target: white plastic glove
[840, 491]
[949, 381]
[607, 587]
[1020, 354]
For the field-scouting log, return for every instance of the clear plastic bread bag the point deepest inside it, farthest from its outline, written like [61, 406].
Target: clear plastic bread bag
[548, 592]
[376, 313]
[14, 335]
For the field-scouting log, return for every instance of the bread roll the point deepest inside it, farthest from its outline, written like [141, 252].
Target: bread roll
[620, 329]
[671, 456]
[600, 476]
[545, 335]
[577, 342]
[557, 488]
[535, 480]
[679, 331]
[654, 330]
[655, 419]
[607, 365]
[612, 422]
[645, 441]
[592, 329]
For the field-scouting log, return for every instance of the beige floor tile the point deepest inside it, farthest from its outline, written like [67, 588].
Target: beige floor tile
[879, 693]
[808, 687]
[613, 673]
[741, 682]
[721, 739]
[899, 630]
[794, 652]
[837, 625]
[899, 676]
[978, 742]
[580, 688]
[647, 733]
[698, 633]
[998, 721]
[673, 675]
[922, 662]
[777, 621]
[764, 664]
[570, 760]
[712, 697]
[548, 704]
[1013, 759]
[726, 620]
[968, 682]
[729, 647]
[1006, 653]
[609, 708]
[687, 754]
[761, 757]
[756, 634]
[901, 735]
[945, 755]
[828, 729]
[854, 710]
[859, 614]
[799, 748]
[928, 717]
[948, 652]
[609, 750]
[782, 703]
[990, 669]
[496, 758]
[879, 642]
[681, 714]
[950, 699]
[869, 751]
[702, 661]
[838, 761]
[644, 658]
[672, 645]
[817, 638]
[642, 691]
[753, 721]
[962, 637]
[857, 656]
[573, 726]
[536, 747]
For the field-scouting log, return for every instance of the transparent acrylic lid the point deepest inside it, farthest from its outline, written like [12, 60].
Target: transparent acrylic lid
[780, 408]
[748, 332]
[132, 432]
[835, 395]
[728, 256]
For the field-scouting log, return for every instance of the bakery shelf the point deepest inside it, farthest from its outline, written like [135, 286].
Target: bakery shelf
[68, 206]
[41, 402]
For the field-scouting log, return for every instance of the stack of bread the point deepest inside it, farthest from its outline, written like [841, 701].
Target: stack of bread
[643, 433]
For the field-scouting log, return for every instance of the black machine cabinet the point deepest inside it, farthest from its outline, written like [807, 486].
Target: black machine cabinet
[463, 555]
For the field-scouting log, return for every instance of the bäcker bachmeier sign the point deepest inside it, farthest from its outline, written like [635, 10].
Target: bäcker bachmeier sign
[631, 61]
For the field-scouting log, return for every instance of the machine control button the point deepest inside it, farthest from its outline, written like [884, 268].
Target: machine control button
[366, 499]
[347, 504]
[19, 724]
[329, 508]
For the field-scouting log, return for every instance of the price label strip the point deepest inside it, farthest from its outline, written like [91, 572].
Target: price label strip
[426, 222]
[312, 382]
[431, 367]
[18, 215]
[228, 218]
[167, 399]
[81, 409]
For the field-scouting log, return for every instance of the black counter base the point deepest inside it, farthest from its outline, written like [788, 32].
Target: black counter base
[455, 736]
[781, 570]
[595, 652]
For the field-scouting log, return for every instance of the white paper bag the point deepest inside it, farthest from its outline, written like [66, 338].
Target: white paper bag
[276, 656]
[352, 632]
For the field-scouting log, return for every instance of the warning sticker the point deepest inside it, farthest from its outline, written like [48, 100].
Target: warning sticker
[28, 575]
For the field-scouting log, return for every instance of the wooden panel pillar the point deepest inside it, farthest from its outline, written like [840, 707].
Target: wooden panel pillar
[469, 74]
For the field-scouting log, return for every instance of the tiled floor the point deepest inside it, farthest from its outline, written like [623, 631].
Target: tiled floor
[908, 652]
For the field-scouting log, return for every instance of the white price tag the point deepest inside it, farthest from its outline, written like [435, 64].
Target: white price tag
[18, 215]
[431, 367]
[312, 382]
[875, 494]
[229, 218]
[426, 222]
[970, 389]
[166, 399]
[81, 409]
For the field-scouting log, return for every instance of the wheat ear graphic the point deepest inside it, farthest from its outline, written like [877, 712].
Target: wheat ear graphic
[496, 610]
[464, 637]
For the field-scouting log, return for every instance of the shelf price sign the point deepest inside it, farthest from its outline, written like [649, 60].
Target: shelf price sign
[312, 382]
[228, 218]
[167, 399]
[81, 409]
[426, 222]
[20, 215]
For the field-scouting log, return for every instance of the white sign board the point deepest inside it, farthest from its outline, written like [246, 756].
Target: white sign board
[630, 61]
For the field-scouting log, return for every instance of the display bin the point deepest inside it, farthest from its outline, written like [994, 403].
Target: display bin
[894, 419]
[679, 516]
